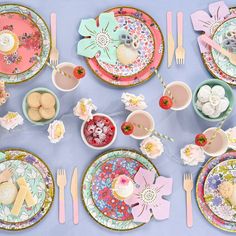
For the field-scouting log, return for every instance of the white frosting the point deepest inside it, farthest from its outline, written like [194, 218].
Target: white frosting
[7, 42]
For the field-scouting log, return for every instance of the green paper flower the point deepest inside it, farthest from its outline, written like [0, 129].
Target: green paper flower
[102, 38]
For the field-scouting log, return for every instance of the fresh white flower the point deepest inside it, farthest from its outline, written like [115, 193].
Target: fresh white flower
[231, 134]
[11, 120]
[192, 155]
[84, 109]
[152, 147]
[56, 131]
[133, 102]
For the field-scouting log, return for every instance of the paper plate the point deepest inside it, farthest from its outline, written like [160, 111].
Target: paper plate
[213, 219]
[98, 199]
[224, 171]
[151, 50]
[41, 184]
[34, 39]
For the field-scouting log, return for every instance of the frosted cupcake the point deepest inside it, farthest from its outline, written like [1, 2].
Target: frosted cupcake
[9, 42]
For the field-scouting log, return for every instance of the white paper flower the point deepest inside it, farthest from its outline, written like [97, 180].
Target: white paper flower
[11, 120]
[192, 155]
[231, 134]
[56, 131]
[152, 147]
[133, 102]
[84, 109]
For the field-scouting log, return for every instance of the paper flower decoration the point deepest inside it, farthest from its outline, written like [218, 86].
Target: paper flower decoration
[152, 147]
[102, 38]
[11, 120]
[133, 102]
[3, 94]
[192, 155]
[84, 109]
[231, 134]
[204, 22]
[56, 131]
[147, 197]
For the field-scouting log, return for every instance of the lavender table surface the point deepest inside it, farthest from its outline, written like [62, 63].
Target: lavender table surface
[71, 151]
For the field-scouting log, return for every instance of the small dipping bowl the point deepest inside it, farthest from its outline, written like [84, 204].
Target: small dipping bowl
[228, 93]
[62, 82]
[218, 145]
[25, 106]
[143, 118]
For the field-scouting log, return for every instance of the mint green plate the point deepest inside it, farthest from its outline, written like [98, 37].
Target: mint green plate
[228, 93]
[25, 106]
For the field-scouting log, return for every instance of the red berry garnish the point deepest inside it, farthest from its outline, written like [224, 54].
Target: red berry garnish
[165, 102]
[127, 128]
[201, 140]
[79, 72]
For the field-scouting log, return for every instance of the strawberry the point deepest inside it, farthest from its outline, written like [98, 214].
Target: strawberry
[79, 72]
[127, 128]
[201, 140]
[165, 102]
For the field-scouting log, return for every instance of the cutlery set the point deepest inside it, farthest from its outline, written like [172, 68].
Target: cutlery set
[61, 182]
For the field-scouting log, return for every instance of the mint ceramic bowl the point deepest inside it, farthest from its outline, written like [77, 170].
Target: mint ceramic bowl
[228, 93]
[25, 106]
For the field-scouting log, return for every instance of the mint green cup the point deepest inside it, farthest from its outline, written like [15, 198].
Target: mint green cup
[25, 106]
[228, 93]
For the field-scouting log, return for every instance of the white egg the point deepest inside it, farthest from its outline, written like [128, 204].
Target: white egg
[208, 109]
[223, 105]
[214, 100]
[218, 90]
[204, 93]
[199, 105]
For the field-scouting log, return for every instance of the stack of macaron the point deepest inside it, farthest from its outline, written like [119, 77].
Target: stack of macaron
[41, 106]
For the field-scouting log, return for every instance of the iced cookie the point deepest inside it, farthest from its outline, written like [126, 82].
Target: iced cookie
[218, 90]
[207, 109]
[33, 100]
[47, 113]
[126, 55]
[223, 105]
[47, 100]
[204, 93]
[34, 114]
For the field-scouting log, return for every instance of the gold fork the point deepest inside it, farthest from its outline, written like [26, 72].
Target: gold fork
[61, 182]
[54, 54]
[180, 51]
[6, 175]
[188, 186]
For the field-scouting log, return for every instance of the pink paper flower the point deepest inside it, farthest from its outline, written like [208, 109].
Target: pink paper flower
[147, 197]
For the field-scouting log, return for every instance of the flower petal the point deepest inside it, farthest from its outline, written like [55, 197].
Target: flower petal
[107, 22]
[219, 10]
[141, 213]
[144, 177]
[164, 184]
[162, 210]
[108, 55]
[88, 27]
[87, 47]
[135, 197]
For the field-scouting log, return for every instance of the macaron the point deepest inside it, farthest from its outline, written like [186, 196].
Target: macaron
[47, 113]
[47, 100]
[33, 100]
[34, 114]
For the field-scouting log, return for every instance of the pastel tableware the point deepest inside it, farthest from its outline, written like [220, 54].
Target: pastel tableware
[74, 193]
[228, 94]
[104, 128]
[217, 142]
[25, 106]
[97, 187]
[22, 64]
[151, 50]
[62, 82]
[170, 39]
[144, 120]
[181, 93]
[40, 181]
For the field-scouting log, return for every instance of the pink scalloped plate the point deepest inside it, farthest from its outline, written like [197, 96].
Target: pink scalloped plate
[151, 50]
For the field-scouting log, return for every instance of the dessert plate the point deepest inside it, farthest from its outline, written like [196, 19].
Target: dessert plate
[224, 171]
[40, 181]
[151, 50]
[97, 195]
[212, 218]
[34, 40]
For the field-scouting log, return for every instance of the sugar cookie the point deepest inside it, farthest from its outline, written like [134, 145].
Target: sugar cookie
[34, 114]
[47, 100]
[126, 55]
[33, 99]
[47, 113]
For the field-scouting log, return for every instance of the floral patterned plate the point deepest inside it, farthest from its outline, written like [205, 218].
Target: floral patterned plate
[34, 40]
[224, 171]
[97, 196]
[40, 181]
[151, 50]
[213, 219]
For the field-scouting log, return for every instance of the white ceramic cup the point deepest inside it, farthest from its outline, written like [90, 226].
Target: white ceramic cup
[186, 87]
[224, 144]
[104, 147]
[146, 114]
[54, 72]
